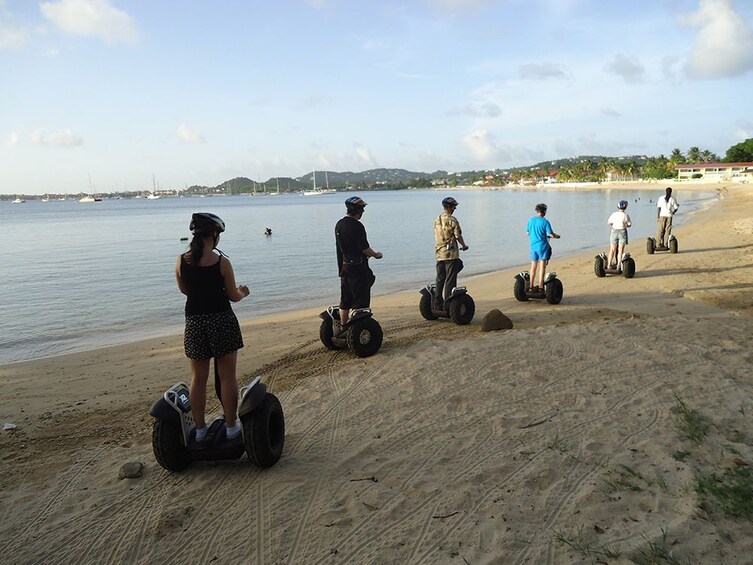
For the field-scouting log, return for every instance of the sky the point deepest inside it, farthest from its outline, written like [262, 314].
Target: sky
[122, 95]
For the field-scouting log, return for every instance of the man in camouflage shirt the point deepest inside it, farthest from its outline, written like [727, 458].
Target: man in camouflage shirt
[447, 237]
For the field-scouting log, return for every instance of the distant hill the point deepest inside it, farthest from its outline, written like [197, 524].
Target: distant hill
[396, 178]
[372, 177]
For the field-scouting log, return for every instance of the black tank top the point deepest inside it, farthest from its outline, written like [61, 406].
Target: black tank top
[206, 288]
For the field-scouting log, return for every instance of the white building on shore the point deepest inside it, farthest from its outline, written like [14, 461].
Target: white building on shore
[716, 172]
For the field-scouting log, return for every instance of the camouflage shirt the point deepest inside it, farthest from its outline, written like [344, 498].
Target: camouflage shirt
[446, 234]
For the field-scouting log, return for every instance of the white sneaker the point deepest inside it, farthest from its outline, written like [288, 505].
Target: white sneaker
[233, 432]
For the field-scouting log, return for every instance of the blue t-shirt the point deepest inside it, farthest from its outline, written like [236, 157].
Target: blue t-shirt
[538, 228]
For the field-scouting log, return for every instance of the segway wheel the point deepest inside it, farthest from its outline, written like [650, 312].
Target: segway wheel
[326, 334]
[462, 310]
[673, 245]
[553, 291]
[650, 246]
[599, 269]
[365, 337]
[519, 290]
[264, 432]
[169, 451]
[424, 307]
[628, 268]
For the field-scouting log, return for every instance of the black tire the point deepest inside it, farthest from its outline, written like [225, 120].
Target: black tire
[365, 337]
[553, 291]
[628, 268]
[599, 269]
[326, 334]
[424, 306]
[169, 450]
[650, 246]
[462, 309]
[673, 246]
[264, 432]
[519, 290]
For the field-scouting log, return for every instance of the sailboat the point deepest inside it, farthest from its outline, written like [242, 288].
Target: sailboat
[318, 191]
[278, 188]
[153, 194]
[89, 198]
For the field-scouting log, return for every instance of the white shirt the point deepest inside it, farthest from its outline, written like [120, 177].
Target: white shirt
[619, 220]
[667, 209]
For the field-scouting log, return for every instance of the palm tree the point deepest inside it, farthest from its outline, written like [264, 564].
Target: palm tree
[676, 157]
[694, 155]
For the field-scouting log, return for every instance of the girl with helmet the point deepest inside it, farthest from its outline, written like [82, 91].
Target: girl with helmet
[618, 239]
[206, 277]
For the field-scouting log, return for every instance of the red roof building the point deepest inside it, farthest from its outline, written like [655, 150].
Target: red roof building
[716, 172]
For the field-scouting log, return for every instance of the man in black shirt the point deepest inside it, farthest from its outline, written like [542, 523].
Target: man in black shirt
[353, 252]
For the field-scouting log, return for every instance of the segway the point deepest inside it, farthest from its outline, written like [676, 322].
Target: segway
[652, 247]
[602, 269]
[174, 430]
[362, 334]
[459, 306]
[552, 288]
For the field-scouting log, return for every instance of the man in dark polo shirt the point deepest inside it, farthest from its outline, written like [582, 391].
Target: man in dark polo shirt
[353, 252]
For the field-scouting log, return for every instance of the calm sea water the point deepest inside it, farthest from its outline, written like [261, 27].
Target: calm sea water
[81, 276]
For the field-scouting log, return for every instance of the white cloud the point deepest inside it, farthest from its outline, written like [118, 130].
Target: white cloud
[724, 45]
[313, 101]
[481, 144]
[630, 70]
[13, 139]
[745, 130]
[611, 112]
[541, 71]
[13, 37]
[61, 138]
[65, 138]
[477, 110]
[365, 157]
[189, 135]
[460, 6]
[12, 34]
[668, 66]
[91, 18]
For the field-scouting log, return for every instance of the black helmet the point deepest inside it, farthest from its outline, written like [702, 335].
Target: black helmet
[355, 204]
[541, 208]
[205, 223]
[622, 204]
[449, 202]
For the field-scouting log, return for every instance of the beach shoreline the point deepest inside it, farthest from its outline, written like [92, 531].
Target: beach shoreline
[652, 185]
[492, 447]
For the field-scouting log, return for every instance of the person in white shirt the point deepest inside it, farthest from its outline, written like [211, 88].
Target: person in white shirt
[665, 210]
[620, 222]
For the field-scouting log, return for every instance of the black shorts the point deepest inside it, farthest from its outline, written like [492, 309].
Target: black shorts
[212, 335]
[355, 292]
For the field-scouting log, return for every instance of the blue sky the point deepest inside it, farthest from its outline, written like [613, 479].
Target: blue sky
[197, 92]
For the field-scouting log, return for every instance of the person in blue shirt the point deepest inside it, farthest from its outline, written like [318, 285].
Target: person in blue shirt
[540, 230]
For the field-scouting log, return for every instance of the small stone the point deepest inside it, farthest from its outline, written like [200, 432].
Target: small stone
[495, 320]
[132, 470]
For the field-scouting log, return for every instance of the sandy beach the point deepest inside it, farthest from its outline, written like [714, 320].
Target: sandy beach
[563, 440]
